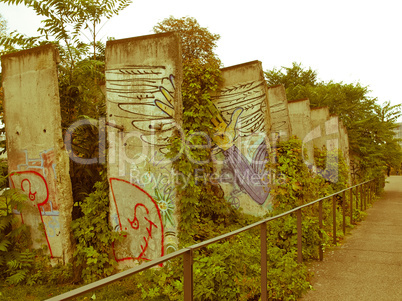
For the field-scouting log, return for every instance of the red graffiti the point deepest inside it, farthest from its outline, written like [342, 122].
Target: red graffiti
[136, 225]
[31, 195]
[139, 211]
[32, 182]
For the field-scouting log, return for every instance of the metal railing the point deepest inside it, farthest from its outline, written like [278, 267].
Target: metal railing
[367, 192]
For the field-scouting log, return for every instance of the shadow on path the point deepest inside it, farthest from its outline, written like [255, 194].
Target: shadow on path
[368, 266]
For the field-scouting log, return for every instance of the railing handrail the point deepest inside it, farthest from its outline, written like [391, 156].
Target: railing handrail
[105, 281]
[271, 218]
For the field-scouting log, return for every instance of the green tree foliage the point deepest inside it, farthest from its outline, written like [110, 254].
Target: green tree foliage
[3, 34]
[3, 30]
[15, 257]
[369, 124]
[65, 20]
[198, 43]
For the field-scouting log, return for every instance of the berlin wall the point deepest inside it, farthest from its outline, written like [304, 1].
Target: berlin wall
[344, 141]
[37, 160]
[300, 119]
[319, 118]
[329, 132]
[344, 146]
[144, 109]
[280, 123]
[143, 96]
[243, 116]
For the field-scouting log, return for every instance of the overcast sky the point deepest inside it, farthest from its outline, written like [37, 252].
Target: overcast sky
[350, 41]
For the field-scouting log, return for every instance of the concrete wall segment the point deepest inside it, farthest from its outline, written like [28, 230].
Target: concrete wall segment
[280, 123]
[242, 104]
[143, 96]
[37, 159]
[300, 119]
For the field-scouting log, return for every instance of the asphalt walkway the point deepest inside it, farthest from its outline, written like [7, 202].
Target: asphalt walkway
[368, 265]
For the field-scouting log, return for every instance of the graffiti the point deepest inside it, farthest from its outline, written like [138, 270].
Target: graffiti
[142, 95]
[52, 226]
[249, 177]
[136, 92]
[166, 206]
[36, 177]
[280, 118]
[138, 215]
[36, 187]
[250, 97]
[234, 199]
[245, 105]
[280, 122]
[45, 166]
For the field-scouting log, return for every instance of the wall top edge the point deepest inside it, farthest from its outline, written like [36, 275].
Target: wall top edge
[276, 86]
[34, 50]
[320, 108]
[144, 37]
[241, 65]
[298, 100]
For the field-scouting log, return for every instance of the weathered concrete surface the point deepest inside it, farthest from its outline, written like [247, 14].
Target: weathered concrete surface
[300, 119]
[368, 266]
[328, 131]
[278, 104]
[344, 141]
[37, 160]
[242, 105]
[319, 116]
[143, 96]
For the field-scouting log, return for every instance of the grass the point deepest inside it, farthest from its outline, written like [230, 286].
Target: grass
[119, 290]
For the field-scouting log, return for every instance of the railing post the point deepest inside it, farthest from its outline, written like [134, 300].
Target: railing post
[357, 197]
[321, 252]
[264, 264]
[299, 236]
[361, 197]
[343, 212]
[334, 218]
[188, 275]
[365, 196]
[351, 205]
[371, 192]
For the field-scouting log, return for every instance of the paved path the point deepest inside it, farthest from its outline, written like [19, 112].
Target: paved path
[368, 266]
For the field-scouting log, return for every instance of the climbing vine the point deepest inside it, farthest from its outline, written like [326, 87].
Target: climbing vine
[93, 256]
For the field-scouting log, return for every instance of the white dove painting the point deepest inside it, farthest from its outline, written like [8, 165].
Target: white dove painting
[242, 164]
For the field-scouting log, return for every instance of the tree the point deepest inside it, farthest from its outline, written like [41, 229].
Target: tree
[368, 123]
[66, 20]
[295, 78]
[3, 34]
[198, 43]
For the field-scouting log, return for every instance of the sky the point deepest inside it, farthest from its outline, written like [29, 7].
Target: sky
[352, 41]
